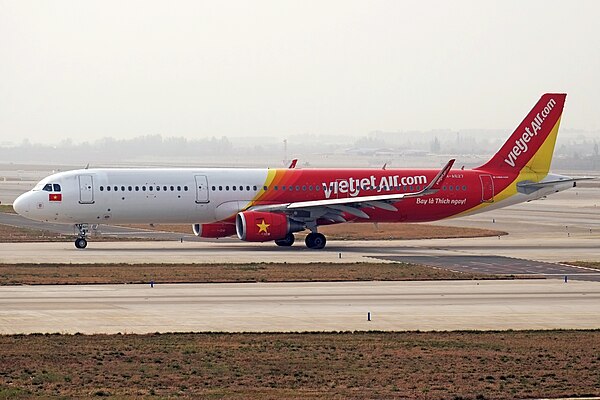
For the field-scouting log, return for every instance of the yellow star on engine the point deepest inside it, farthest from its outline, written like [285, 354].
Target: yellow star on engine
[262, 227]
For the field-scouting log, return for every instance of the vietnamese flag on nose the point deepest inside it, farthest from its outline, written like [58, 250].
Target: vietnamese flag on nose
[55, 197]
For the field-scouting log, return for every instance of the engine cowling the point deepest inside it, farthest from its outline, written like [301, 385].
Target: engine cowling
[256, 226]
[213, 230]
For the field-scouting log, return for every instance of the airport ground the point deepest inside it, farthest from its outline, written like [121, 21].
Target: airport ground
[526, 363]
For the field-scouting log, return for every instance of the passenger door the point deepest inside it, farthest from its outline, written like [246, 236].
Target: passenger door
[201, 189]
[86, 189]
[487, 188]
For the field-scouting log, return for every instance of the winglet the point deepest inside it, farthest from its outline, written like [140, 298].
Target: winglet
[436, 183]
[293, 163]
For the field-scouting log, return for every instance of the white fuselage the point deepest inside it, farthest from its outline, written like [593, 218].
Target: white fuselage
[142, 195]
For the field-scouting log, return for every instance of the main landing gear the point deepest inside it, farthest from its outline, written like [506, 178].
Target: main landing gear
[287, 241]
[81, 242]
[315, 240]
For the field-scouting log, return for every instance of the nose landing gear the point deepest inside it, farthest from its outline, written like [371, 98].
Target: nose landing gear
[81, 242]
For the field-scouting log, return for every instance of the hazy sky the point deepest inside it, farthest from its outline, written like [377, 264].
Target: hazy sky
[88, 69]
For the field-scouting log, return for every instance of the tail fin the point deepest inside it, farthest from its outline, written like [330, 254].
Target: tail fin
[532, 144]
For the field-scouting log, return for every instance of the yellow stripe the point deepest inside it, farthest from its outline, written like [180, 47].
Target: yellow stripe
[535, 170]
[540, 162]
[270, 177]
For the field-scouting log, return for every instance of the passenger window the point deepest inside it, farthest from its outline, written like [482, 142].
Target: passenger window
[129, 188]
[450, 187]
[122, 188]
[233, 188]
[158, 188]
[226, 187]
[48, 187]
[137, 188]
[283, 188]
[297, 188]
[213, 188]
[56, 187]
[108, 188]
[116, 188]
[310, 188]
[179, 188]
[265, 188]
[150, 188]
[248, 188]
[185, 188]
[317, 188]
[143, 188]
[464, 188]
[102, 188]
[276, 187]
[220, 188]
[173, 188]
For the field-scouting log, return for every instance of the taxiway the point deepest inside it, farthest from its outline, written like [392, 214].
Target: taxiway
[531, 304]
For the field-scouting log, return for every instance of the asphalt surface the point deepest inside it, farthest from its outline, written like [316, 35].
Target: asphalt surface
[285, 307]
[498, 265]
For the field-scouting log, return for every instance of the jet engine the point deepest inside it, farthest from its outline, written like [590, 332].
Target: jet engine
[256, 226]
[213, 230]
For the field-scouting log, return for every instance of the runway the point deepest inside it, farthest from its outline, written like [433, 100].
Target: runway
[531, 304]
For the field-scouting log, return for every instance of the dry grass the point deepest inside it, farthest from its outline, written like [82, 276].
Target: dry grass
[383, 231]
[402, 232]
[54, 274]
[7, 208]
[13, 234]
[359, 365]
[587, 264]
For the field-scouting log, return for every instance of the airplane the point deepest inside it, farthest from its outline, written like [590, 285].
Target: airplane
[260, 205]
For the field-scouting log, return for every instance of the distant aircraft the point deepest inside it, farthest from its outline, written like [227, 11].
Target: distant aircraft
[272, 204]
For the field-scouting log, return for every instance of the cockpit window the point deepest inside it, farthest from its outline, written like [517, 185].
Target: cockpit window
[56, 187]
[47, 187]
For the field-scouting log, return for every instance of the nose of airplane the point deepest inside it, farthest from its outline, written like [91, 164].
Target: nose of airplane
[21, 204]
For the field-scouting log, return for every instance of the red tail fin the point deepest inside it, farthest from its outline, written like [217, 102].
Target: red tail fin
[532, 143]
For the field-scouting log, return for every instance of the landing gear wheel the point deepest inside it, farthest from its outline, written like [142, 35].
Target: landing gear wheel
[315, 241]
[80, 243]
[287, 241]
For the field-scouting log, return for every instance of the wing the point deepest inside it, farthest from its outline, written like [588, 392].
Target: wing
[333, 208]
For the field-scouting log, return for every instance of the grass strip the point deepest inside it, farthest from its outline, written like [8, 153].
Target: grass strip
[416, 365]
[61, 274]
